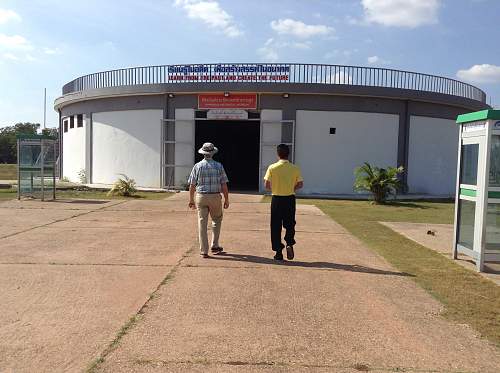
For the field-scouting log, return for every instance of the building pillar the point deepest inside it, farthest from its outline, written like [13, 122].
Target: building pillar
[404, 139]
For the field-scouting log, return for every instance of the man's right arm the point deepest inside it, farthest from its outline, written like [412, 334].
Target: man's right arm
[192, 190]
[192, 187]
[267, 179]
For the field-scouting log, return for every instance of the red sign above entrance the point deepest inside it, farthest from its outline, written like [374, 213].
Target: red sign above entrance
[233, 101]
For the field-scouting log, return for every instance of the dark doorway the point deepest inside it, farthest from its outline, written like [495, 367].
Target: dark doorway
[238, 144]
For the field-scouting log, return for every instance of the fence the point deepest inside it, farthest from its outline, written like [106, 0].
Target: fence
[276, 73]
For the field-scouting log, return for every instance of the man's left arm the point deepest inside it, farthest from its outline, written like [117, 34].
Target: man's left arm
[225, 190]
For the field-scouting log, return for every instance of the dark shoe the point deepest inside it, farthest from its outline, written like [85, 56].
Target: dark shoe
[278, 256]
[217, 250]
[289, 252]
[205, 256]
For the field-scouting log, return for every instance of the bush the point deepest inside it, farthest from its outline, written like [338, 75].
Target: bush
[380, 182]
[123, 187]
[82, 176]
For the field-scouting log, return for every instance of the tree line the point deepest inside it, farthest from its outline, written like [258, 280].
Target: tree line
[8, 141]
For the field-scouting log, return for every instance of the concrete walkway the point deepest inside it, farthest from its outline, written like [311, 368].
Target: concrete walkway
[73, 273]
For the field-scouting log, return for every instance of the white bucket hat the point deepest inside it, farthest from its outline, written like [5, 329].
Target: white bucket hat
[208, 149]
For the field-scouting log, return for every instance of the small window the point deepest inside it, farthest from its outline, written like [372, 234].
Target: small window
[65, 124]
[332, 130]
[79, 120]
[72, 122]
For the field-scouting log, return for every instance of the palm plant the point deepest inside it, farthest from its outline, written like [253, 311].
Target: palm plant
[123, 187]
[381, 182]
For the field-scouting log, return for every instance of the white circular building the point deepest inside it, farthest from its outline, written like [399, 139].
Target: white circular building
[148, 122]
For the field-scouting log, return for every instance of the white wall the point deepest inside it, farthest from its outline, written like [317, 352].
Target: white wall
[328, 161]
[184, 147]
[74, 150]
[432, 156]
[127, 142]
[270, 138]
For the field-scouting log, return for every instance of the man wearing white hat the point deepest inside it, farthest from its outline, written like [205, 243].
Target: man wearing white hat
[206, 182]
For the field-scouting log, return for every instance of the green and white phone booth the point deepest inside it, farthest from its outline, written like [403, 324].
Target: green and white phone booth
[477, 204]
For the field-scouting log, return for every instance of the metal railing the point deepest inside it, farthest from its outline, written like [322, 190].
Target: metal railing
[276, 73]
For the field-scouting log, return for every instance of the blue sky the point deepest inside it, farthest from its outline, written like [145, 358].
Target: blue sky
[48, 43]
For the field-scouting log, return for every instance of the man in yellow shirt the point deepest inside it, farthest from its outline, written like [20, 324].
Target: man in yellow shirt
[283, 179]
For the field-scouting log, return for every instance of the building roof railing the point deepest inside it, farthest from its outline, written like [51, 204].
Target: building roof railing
[275, 73]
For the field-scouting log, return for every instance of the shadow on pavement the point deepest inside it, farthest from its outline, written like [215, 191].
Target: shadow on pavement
[82, 201]
[319, 265]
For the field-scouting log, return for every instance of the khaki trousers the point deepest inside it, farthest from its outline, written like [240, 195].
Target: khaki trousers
[209, 204]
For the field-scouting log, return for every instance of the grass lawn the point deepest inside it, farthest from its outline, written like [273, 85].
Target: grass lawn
[91, 194]
[468, 297]
[8, 172]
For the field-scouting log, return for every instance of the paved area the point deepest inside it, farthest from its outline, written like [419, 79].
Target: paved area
[442, 242]
[73, 273]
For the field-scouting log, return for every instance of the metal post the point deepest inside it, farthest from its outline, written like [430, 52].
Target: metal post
[42, 168]
[457, 196]
[54, 170]
[18, 171]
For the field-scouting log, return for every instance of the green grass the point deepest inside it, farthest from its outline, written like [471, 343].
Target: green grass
[468, 297]
[6, 194]
[95, 194]
[8, 172]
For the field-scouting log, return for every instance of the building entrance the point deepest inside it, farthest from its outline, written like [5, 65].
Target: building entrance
[238, 143]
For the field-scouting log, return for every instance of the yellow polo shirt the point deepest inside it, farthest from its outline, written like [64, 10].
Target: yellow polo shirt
[283, 176]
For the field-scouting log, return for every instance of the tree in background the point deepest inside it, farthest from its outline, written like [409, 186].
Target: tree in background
[8, 144]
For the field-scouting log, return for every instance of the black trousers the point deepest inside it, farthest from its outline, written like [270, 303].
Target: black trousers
[282, 215]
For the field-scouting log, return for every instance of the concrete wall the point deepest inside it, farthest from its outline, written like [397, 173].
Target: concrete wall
[328, 160]
[127, 142]
[184, 146]
[270, 137]
[74, 150]
[432, 155]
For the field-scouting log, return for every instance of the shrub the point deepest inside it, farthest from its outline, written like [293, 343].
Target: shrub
[380, 182]
[124, 186]
[82, 176]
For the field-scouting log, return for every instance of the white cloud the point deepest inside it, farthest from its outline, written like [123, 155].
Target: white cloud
[338, 78]
[7, 15]
[401, 13]
[10, 56]
[52, 51]
[296, 44]
[341, 56]
[300, 29]
[376, 60]
[211, 14]
[269, 51]
[484, 73]
[17, 42]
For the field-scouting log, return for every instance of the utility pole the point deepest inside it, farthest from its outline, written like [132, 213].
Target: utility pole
[44, 107]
